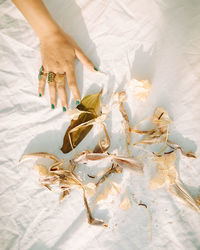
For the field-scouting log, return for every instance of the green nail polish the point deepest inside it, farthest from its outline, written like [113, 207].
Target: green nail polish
[52, 106]
[77, 102]
[95, 68]
[64, 109]
[40, 94]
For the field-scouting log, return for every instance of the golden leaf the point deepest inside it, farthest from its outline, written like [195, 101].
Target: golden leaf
[80, 127]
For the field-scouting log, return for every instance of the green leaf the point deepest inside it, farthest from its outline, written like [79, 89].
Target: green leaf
[90, 103]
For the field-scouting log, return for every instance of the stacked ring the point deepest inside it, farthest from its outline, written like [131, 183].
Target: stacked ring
[51, 77]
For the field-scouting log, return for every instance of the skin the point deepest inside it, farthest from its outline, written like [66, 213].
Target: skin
[58, 50]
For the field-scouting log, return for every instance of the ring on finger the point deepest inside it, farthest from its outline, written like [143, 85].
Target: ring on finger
[51, 77]
[41, 72]
[59, 78]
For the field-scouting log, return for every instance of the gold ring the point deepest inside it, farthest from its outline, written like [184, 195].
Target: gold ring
[59, 78]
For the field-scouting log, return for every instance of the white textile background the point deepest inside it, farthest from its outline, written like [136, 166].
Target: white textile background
[157, 40]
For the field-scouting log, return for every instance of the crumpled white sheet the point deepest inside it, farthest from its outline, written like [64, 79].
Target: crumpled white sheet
[156, 40]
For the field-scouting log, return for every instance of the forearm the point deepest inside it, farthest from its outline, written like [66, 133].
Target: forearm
[38, 16]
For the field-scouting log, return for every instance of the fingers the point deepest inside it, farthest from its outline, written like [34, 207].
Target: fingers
[52, 89]
[85, 60]
[42, 76]
[60, 85]
[71, 79]
[41, 85]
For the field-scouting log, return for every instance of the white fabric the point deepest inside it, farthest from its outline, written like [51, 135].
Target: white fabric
[157, 40]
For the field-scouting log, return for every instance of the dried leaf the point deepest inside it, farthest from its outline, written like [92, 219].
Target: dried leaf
[63, 195]
[122, 98]
[87, 157]
[150, 219]
[91, 220]
[75, 132]
[166, 172]
[40, 154]
[141, 89]
[114, 169]
[176, 146]
[160, 133]
[180, 191]
[129, 162]
[125, 202]
[104, 144]
[198, 201]
[74, 113]
[42, 170]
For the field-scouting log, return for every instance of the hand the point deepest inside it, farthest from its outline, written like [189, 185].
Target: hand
[58, 52]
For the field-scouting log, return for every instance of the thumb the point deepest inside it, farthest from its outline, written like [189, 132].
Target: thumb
[85, 60]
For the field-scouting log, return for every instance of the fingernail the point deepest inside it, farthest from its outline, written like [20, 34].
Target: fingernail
[52, 106]
[40, 94]
[77, 102]
[64, 109]
[95, 68]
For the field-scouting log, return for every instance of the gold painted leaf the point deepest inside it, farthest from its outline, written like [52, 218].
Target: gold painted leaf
[80, 127]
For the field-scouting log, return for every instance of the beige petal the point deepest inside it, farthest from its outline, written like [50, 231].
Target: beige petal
[125, 202]
[42, 170]
[141, 89]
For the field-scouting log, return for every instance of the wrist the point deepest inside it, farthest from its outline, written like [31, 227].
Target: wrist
[48, 31]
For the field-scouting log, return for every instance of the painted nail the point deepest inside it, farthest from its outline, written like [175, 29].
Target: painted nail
[77, 102]
[52, 106]
[95, 68]
[64, 109]
[40, 94]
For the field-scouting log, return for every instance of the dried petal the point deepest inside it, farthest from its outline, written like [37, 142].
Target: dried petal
[125, 202]
[40, 154]
[180, 191]
[161, 118]
[129, 162]
[141, 89]
[41, 169]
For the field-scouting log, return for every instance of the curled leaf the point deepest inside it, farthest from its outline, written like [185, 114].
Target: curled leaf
[40, 154]
[104, 144]
[176, 146]
[80, 127]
